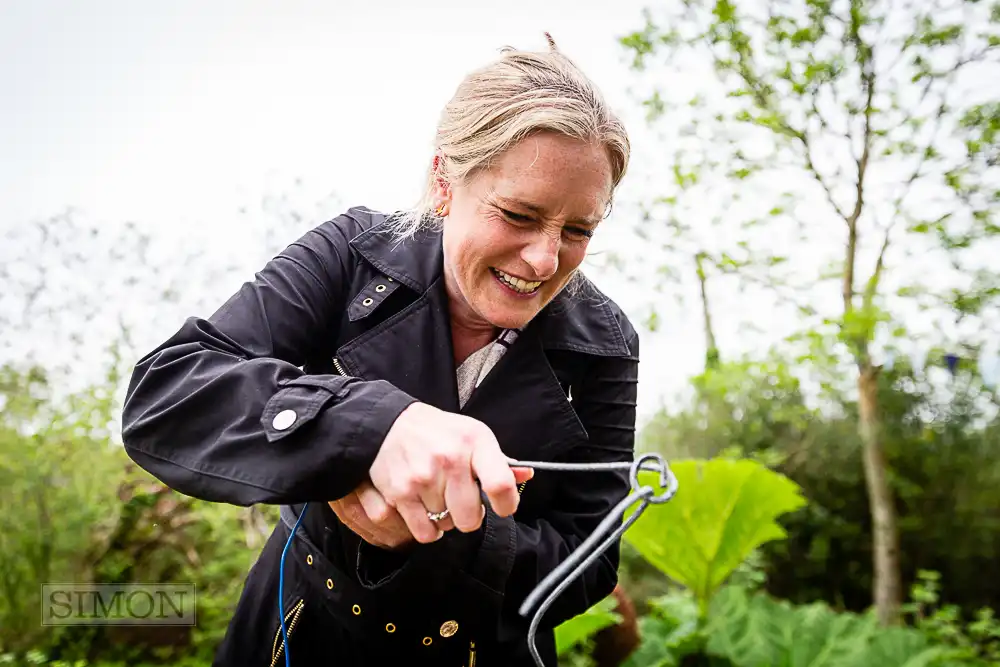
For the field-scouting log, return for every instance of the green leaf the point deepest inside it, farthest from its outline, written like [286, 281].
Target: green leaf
[723, 510]
[582, 627]
[758, 631]
[900, 647]
[670, 632]
[653, 650]
[681, 610]
[749, 630]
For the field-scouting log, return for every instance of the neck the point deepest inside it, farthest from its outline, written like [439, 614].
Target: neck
[469, 331]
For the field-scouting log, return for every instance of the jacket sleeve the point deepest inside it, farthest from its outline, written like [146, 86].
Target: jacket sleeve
[222, 410]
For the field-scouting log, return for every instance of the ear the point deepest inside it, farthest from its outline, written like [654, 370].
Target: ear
[442, 188]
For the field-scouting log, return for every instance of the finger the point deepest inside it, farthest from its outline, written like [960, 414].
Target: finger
[461, 495]
[421, 527]
[495, 476]
[378, 510]
[445, 524]
[349, 517]
[436, 501]
[522, 475]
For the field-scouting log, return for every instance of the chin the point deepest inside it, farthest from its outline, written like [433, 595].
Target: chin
[506, 317]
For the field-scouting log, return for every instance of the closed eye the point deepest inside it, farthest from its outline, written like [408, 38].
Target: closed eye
[517, 217]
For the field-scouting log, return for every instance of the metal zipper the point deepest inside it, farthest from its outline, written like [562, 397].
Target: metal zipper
[472, 654]
[520, 487]
[294, 613]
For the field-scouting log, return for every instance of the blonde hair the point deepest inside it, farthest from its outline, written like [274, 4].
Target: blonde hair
[502, 103]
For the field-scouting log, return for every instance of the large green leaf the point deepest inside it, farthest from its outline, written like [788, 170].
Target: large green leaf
[654, 649]
[759, 631]
[901, 647]
[723, 510]
[582, 627]
[749, 630]
[669, 632]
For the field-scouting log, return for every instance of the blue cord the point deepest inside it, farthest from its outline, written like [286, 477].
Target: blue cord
[281, 585]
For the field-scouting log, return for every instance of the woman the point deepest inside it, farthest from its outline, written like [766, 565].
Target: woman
[383, 369]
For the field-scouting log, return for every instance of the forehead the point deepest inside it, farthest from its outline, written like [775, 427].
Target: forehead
[560, 176]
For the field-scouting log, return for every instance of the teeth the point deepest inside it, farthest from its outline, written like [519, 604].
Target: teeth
[517, 283]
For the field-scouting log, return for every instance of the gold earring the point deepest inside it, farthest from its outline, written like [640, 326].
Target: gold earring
[440, 209]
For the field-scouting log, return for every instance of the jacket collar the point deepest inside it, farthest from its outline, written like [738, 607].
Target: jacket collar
[580, 319]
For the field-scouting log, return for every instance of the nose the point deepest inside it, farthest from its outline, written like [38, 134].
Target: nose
[542, 254]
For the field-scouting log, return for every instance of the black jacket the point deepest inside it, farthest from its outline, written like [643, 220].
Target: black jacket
[346, 328]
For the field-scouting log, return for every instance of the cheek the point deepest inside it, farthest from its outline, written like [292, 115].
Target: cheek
[571, 255]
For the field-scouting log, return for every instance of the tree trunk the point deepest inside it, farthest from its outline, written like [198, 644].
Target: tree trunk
[885, 536]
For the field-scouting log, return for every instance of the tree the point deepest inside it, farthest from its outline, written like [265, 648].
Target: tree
[80, 300]
[876, 123]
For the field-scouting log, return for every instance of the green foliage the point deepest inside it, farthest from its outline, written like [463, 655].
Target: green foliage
[940, 436]
[724, 510]
[670, 632]
[974, 642]
[747, 629]
[579, 629]
[84, 514]
[757, 630]
[58, 479]
[745, 404]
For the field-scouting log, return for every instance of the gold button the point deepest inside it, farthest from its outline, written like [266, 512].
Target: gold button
[356, 609]
[380, 288]
[329, 584]
[367, 302]
[309, 559]
[449, 628]
[427, 641]
[390, 628]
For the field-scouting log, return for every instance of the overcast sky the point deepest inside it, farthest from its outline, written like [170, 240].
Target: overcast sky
[176, 114]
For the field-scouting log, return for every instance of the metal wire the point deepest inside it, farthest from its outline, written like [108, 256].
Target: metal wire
[585, 554]
[579, 560]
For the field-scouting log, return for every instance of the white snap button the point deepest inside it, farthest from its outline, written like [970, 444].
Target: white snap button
[283, 420]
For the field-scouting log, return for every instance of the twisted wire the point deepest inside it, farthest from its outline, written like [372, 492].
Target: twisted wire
[589, 551]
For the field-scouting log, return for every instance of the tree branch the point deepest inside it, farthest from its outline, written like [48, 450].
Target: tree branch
[872, 286]
[869, 82]
[807, 147]
[866, 59]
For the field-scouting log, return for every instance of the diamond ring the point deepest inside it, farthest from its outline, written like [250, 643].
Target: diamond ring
[437, 516]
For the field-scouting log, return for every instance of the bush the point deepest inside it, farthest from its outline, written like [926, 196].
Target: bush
[85, 514]
[941, 444]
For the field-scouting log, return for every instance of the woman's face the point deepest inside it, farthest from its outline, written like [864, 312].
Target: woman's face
[514, 234]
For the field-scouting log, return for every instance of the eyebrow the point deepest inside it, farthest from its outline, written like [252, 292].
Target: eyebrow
[538, 210]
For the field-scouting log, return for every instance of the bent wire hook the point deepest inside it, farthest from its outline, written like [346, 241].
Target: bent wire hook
[585, 554]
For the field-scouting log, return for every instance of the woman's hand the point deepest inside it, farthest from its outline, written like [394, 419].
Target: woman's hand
[430, 461]
[365, 512]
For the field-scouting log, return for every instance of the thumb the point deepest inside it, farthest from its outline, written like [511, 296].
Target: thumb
[522, 474]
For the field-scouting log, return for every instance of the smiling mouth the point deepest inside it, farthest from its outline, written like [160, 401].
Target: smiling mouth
[517, 284]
